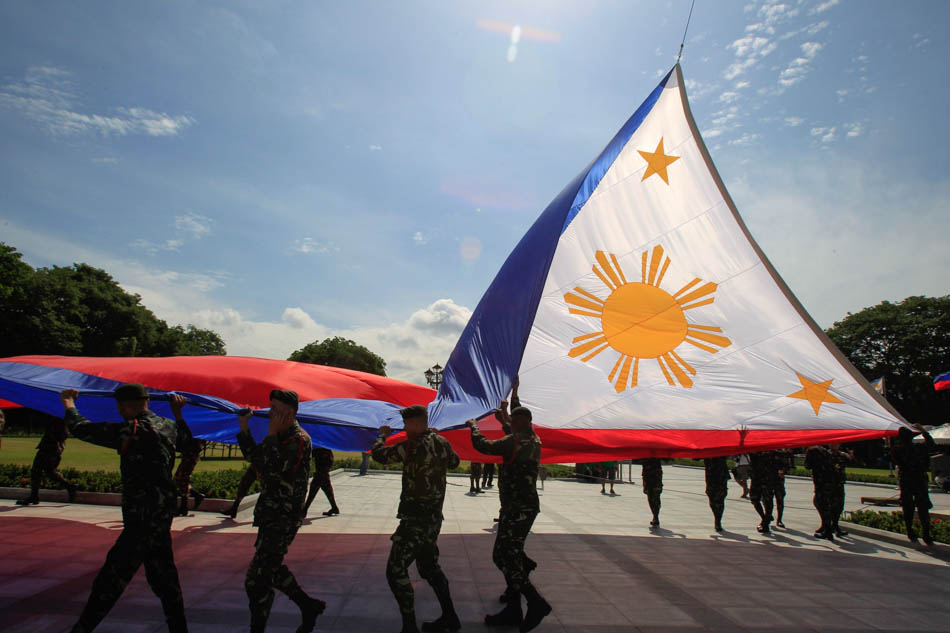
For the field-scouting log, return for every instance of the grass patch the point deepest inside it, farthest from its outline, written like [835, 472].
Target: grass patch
[894, 522]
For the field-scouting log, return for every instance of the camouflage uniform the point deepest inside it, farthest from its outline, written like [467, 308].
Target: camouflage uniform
[475, 478]
[913, 463]
[322, 464]
[521, 454]
[488, 475]
[717, 486]
[49, 452]
[283, 462]
[783, 464]
[763, 467]
[147, 446]
[652, 473]
[425, 460]
[504, 493]
[828, 474]
[190, 457]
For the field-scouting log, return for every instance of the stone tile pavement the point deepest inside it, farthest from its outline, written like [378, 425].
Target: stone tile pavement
[599, 565]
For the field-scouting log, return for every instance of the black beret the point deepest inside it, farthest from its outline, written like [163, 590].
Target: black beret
[414, 411]
[286, 396]
[525, 411]
[130, 391]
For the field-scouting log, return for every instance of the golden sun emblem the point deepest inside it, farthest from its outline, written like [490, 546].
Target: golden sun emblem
[641, 320]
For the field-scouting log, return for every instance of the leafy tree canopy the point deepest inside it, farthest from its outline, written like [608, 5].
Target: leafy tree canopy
[79, 310]
[906, 343]
[340, 352]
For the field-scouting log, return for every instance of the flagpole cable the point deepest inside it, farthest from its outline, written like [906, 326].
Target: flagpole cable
[693, 4]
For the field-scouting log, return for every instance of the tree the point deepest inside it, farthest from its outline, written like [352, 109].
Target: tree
[82, 310]
[340, 352]
[906, 343]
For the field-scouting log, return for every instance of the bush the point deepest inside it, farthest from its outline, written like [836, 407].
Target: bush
[894, 522]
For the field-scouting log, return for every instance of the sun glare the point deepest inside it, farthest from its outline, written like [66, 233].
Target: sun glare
[641, 320]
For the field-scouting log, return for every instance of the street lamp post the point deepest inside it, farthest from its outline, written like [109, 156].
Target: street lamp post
[434, 376]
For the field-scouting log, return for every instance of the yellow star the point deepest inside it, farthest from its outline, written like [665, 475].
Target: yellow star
[815, 392]
[657, 162]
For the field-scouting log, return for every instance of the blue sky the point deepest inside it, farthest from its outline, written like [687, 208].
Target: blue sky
[281, 172]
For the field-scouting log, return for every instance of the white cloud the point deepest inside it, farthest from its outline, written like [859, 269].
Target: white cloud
[741, 84]
[729, 96]
[298, 319]
[810, 49]
[153, 248]
[824, 6]
[712, 133]
[375, 148]
[197, 225]
[48, 96]
[419, 239]
[824, 134]
[309, 245]
[699, 89]
[799, 67]
[746, 139]
[854, 129]
[793, 121]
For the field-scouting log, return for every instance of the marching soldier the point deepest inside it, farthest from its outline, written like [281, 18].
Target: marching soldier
[475, 478]
[913, 462]
[283, 461]
[827, 465]
[190, 456]
[146, 443]
[521, 454]
[652, 473]
[244, 485]
[717, 484]
[783, 464]
[322, 463]
[49, 452]
[762, 490]
[426, 456]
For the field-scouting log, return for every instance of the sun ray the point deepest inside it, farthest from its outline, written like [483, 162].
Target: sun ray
[613, 371]
[659, 360]
[687, 287]
[705, 348]
[589, 295]
[605, 264]
[708, 328]
[617, 267]
[681, 377]
[643, 268]
[682, 362]
[621, 384]
[633, 373]
[603, 277]
[655, 260]
[577, 350]
[666, 265]
[596, 351]
[584, 337]
[698, 304]
[706, 289]
[721, 341]
[580, 302]
[585, 313]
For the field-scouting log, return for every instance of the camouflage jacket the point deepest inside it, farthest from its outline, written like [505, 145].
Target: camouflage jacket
[913, 461]
[425, 460]
[54, 440]
[827, 466]
[282, 461]
[521, 455]
[146, 446]
[717, 471]
[764, 467]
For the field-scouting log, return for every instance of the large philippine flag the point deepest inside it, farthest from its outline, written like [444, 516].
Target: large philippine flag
[644, 320]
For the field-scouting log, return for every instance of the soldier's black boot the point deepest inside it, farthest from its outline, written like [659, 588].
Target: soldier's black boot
[32, 499]
[71, 491]
[510, 615]
[177, 625]
[310, 608]
[198, 498]
[232, 512]
[258, 625]
[538, 608]
[182, 508]
[449, 620]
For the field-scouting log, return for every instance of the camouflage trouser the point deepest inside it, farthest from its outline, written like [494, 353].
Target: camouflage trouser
[321, 481]
[247, 480]
[149, 543]
[829, 501]
[717, 498]
[508, 554]
[267, 572]
[45, 464]
[415, 540]
[653, 489]
[762, 494]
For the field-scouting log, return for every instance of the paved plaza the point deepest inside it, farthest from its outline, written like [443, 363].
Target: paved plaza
[599, 565]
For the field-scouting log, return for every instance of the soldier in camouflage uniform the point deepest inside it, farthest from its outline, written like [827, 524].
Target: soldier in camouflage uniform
[190, 456]
[783, 464]
[426, 456]
[827, 465]
[521, 454]
[488, 475]
[49, 452]
[475, 478]
[652, 473]
[146, 443]
[764, 472]
[717, 484]
[283, 461]
[913, 462]
[322, 463]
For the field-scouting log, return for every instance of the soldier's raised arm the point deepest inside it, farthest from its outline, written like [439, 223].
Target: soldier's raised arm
[101, 433]
[184, 438]
[387, 454]
[449, 457]
[503, 446]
